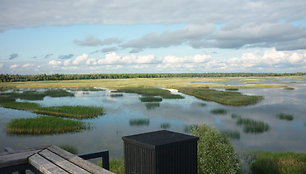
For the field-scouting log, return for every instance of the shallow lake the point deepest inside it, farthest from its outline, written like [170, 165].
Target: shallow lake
[175, 115]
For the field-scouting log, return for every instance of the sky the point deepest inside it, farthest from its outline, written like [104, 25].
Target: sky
[149, 36]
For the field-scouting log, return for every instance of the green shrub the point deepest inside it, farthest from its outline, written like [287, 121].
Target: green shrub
[215, 153]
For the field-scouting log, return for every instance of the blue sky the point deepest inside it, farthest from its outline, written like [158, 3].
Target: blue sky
[143, 36]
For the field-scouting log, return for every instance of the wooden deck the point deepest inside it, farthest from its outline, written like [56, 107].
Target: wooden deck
[49, 160]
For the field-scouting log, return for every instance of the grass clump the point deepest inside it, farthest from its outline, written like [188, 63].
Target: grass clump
[139, 122]
[279, 163]
[231, 89]
[69, 148]
[172, 96]
[252, 126]
[78, 112]
[165, 94]
[85, 89]
[283, 116]
[150, 99]
[231, 134]
[288, 88]
[165, 125]
[215, 153]
[223, 97]
[116, 95]
[115, 165]
[44, 125]
[58, 93]
[6, 98]
[151, 106]
[218, 111]
[188, 128]
[28, 95]
[21, 105]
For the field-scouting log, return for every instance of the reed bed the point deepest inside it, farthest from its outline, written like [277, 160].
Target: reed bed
[165, 125]
[172, 96]
[78, 112]
[165, 94]
[279, 163]
[20, 105]
[150, 99]
[140, 122]
[151, 106]
[6, 98]
[252, 126]
[218, 111]
[85, 89]
[222, 97]
[44, 125]
[116, 95]
[58, 93]
[283, 116]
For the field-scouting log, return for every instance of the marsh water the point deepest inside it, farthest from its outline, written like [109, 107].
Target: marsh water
[174, 114]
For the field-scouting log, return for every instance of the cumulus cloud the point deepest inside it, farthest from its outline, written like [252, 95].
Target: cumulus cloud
[14, 66]
[13, 56]
[55, 62]
[65, 56]
[93, 41]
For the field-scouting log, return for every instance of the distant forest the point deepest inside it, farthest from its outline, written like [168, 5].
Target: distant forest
[45, 77]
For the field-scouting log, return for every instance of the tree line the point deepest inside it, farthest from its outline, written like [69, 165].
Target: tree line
[46, 77]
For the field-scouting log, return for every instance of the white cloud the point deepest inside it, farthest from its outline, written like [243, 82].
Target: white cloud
[14, 66]
[28, 65]
[55, 62]
[193, 59]
[80, 59]
[1, 65]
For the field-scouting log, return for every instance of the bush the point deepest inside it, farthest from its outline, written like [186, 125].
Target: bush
[215, 153]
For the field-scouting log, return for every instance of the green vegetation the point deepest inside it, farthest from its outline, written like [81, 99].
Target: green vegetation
[231, 89]
[151, 106]
[215, 153]
[283, 116]
[44, 125]
[71, 111]
[165, 94]
[69, 148]
[288, 88]
[165, 125]
[44, 77]
[150, 99]
[139, 122]
[58, 93]
[116, 95]
[231, 134]
[115, 165]
[218, 111]
[222, 97]
[188, 128]
[279, 163]
[6, 98]
[85, 89]
[252, 126]
[21, 105]
[7, 87]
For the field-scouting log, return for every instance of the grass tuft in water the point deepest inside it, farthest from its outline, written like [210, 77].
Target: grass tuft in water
[223, 97]
[78, 112]
[288, 88]
[231, 89]
[58, 93]
[165, 125]
[165, 94]
[116, 95]
[172, 96]
[151, 106]
[279, 163]
[85, 89]
[202, 104]
[218, 111]
[150, 99]
[231, 134]
[44, 125]
[283, 116]
[139, 122]
[252, 126]
[21, 105]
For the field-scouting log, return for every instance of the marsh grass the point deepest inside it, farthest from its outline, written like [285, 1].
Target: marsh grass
[6, 98]
[188, 128]
[28, 95]
[139, 122]
[85, 89]
[222, 97]
[288, 88]
[58, 93]
[231, 134]
[218, 111]
[7, 87]
[165, 125]
[44, 125]
[283, 116]
[165, 94]
[252, 126]
[151, 106]
[116, 95]
[78, 112]
[21, 105]
[279, 163]
[150, 99]
[115, 165]
[231, 89]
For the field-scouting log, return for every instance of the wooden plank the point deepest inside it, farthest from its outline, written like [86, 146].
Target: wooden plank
[25, 150]
[45, 166]
[61, 162]
[90, 167]
[11, 159]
